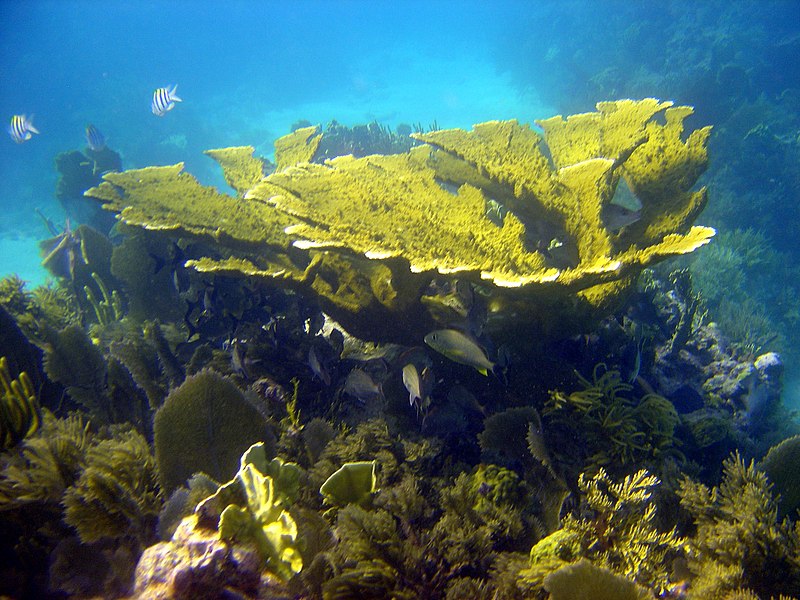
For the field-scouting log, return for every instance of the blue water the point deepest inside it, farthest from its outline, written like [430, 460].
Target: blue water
[248, 70]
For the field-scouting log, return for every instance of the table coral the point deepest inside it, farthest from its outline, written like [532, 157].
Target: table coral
[525, 215]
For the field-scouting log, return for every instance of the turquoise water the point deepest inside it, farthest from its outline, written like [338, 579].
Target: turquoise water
[249, 73]
[245, 73]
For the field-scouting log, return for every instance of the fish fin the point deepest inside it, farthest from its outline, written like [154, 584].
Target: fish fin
[499, 371]
[483, 372]
[172, 95]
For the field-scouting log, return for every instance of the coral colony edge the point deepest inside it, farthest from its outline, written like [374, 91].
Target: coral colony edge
[393, 364]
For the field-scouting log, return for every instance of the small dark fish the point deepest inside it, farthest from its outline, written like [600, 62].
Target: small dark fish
[495, 212]
[164, 100]
[238, 358]
[637, 361]
[362, 387]
[616, 217]
[94, 138]
[21, 128]
[316, 366]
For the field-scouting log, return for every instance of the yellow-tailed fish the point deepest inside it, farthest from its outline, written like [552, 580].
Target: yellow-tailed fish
[419, 385]
[461, 348]
[362, 387]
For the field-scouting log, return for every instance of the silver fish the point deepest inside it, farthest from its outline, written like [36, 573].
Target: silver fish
[419, 385]
[164, 100]
[461, 348]
[362, 387]
[316, 366]
[94, 138]
[21, 128]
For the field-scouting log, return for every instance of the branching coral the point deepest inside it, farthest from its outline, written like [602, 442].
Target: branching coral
[615, 427]
[394, 211]
[739, 541]
[117, 494]
[620, 534]
[19, 411]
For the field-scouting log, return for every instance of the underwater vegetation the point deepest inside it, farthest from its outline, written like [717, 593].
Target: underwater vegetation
[19, 408]
[615, 428]
[619, 533]
[739, 543]
[229, 410]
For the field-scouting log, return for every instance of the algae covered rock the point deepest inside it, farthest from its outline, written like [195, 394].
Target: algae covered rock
[197, 563]
[585, 581]
[781, 466]
[204, 425]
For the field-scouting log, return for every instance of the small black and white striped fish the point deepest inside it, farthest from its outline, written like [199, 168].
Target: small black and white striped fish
[94, 138]
[21, 128]
[164, 100]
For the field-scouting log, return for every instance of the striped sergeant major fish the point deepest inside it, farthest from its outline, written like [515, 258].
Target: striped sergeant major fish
[21, 128]
[94, 138]
[164, 100]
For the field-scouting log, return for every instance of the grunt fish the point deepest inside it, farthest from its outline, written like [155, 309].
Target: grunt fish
[461, 348]
[164, 100]
[362, 387]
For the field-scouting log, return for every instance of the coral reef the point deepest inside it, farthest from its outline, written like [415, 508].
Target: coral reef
[236, 535]
[222, 332]
[19, 410]
[739, 541]
[619, 533]
[343, 206]
[204, 425]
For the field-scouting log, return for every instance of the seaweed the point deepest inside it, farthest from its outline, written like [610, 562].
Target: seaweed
[615, 429]
[20, 415]
[617, 532]
[739, 542]
[117, 494]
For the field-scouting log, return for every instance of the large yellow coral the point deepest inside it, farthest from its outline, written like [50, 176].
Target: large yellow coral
[522, 213]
